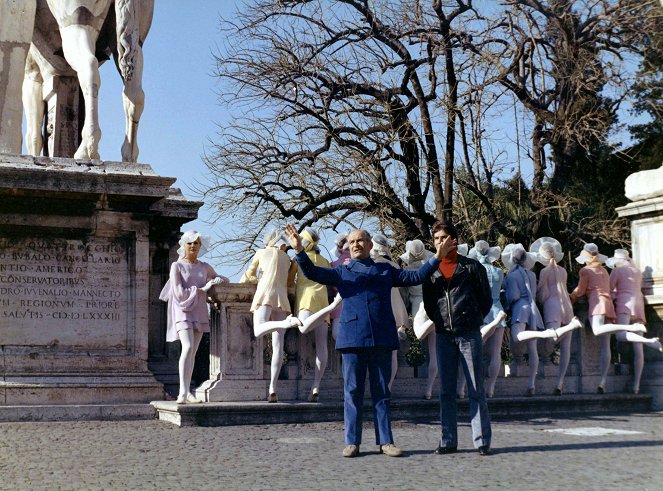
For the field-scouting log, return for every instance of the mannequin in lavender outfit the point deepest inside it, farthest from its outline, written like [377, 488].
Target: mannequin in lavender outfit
[626, 290]
[188, 315]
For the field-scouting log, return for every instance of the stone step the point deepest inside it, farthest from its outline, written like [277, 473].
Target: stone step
[238, 413]
[258, 412]
[76, 412]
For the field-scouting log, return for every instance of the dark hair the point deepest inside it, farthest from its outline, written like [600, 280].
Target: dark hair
[446, 227]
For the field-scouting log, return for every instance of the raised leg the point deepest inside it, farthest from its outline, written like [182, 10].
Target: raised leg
[310, 321]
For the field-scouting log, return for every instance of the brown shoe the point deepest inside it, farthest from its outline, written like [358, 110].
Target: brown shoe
[351, 451]
[272, 397]
[391, 450]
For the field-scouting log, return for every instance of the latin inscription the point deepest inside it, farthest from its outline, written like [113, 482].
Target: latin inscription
[64, 290]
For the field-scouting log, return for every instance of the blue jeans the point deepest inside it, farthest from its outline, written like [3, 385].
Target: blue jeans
[465, 347]
[377, 362]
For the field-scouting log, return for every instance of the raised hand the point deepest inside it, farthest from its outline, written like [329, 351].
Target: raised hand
[445, 247]
[293, 237]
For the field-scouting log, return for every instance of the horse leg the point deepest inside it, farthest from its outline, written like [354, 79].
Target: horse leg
[78, 45]
[134, 101]
[33, 106]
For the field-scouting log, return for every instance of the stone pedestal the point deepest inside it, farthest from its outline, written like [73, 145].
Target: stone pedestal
[78, 245]
[17, 19]
[645, 212]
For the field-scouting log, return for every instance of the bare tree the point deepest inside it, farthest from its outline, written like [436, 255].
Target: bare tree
[564, 60]
[341, 105]
[391, 109]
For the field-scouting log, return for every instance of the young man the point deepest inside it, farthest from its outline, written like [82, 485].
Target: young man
[457, 297]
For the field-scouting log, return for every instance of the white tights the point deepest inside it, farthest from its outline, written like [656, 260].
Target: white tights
[261, 317]
[564, 352]
[190, 340]
[624, 332]
[519, 335]
[494, 347]
[321, 331]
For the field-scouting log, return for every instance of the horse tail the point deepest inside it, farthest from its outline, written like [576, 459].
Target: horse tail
[128, 36]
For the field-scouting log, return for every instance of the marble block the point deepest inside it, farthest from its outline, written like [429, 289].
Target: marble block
[78, 245]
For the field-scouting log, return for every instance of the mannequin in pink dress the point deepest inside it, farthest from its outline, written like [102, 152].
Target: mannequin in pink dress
[553, 295]
[595, 284]
[526, 321]
[626, 291]
[188, 315]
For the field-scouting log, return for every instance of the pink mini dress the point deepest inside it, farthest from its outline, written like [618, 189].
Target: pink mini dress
[626, 289]
[595, 283]
[187, 303]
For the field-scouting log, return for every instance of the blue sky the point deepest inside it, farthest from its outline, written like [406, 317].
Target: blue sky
[181, 111]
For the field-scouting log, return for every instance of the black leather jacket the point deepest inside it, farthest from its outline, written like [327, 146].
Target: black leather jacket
[461, 303]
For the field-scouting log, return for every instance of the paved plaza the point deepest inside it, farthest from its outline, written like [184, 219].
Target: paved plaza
[603, 452]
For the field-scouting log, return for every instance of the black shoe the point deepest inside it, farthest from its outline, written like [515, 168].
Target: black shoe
[600, 390]
[557, 391]
[484, 450]
[445, 450]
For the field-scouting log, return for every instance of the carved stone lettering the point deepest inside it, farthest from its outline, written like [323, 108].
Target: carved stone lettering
[65, 292]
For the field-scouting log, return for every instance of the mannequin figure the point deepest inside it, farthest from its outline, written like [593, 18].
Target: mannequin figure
[526, 322]
[626, 290]
[311, 297]
[492, 332]
[342, 254]
[553, 295]
[595, 284]
[414, 257]
[270, 306]
[188, 315]
[381, 253]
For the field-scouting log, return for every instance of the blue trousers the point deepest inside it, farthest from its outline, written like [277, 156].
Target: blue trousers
[467, 348]
[377, 362]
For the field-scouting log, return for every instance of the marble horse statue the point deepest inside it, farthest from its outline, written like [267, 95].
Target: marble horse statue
[72, 38]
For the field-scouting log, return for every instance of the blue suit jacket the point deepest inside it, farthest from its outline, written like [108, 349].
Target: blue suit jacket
[367, 319]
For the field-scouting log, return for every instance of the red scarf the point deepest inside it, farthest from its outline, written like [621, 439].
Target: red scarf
[448, 265]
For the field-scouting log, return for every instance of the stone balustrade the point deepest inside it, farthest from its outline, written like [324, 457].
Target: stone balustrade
[240, 370]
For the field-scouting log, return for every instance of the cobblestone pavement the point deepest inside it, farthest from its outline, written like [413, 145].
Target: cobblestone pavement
[550, 454]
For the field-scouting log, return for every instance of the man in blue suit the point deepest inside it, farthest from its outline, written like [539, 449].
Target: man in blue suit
[367, 333]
